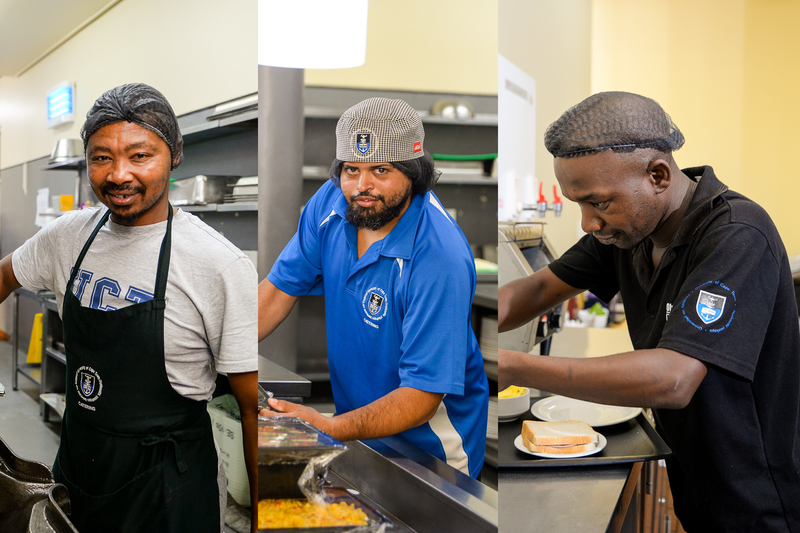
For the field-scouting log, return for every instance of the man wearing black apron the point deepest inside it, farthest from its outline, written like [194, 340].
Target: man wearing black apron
[135, 454]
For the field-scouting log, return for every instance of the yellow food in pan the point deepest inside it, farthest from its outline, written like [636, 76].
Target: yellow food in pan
[276, 514]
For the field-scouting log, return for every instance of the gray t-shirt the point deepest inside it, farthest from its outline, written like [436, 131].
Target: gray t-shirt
[210, 321]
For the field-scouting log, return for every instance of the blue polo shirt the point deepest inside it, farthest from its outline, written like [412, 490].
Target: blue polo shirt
[398, 316]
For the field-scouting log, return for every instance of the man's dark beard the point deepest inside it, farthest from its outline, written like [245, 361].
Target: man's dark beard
[360, 218]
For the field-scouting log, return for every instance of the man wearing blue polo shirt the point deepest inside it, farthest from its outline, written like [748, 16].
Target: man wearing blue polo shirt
[398, 278]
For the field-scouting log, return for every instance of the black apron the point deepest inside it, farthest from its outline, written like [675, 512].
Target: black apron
[134, 454]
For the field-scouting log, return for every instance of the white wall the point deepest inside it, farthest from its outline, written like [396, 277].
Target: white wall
[196, 52]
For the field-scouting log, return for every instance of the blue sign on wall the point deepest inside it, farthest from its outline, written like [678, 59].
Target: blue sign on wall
[61, 104]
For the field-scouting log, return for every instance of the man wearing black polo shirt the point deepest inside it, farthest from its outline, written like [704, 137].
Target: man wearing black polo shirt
[710, 307]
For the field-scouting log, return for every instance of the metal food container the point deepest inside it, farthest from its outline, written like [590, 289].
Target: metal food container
[201, 189]
[340, 495]
[285, 447]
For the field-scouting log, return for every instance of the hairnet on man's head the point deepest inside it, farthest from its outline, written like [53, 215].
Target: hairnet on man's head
[142, 105]
[617, 121]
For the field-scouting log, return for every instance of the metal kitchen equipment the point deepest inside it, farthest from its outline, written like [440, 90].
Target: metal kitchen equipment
[522, 249]
[30, 500]
[200, 189]
[286, 446]
[68, 154]
[412, 490]
[292, 453]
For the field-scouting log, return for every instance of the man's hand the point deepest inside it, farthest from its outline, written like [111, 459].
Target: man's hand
[284, 408]
[403, 408]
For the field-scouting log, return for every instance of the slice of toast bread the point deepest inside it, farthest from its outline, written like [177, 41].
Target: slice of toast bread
[559, 448]
[558, 433]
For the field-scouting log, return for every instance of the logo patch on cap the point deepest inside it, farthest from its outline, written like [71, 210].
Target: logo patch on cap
[363, 142]
[417, 146]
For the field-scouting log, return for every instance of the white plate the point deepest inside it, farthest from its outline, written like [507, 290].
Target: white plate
[556, 408]
[521, 447]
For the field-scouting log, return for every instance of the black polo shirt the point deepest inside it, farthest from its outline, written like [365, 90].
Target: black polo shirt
[723, 294]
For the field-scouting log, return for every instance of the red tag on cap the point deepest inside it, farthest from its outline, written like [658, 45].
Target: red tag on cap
[417, 146]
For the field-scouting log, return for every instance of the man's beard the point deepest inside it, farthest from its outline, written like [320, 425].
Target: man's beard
[376, 217]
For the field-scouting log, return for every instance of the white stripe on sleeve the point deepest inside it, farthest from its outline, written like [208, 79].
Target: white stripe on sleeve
[451, 441]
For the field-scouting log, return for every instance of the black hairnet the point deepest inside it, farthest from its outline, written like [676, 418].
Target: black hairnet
[142, 105]
[617, 121]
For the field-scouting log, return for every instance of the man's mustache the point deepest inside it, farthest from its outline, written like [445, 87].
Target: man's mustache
[113, 189]
[355, 197]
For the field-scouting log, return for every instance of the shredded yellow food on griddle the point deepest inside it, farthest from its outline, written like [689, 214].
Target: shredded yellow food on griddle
[275, 514]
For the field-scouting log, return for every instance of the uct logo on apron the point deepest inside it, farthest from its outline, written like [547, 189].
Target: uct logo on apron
[374, 303]
[88, 383]
[710, 306]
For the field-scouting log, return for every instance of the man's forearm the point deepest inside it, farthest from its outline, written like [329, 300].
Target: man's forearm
[245, 389]
[524, 299]
[8, 281]
[274, 306]
[398, 411]
[642, 378]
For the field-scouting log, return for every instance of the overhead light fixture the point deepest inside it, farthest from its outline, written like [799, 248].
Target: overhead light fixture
[312, 34]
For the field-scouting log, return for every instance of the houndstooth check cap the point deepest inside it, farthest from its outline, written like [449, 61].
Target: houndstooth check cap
[379, 130]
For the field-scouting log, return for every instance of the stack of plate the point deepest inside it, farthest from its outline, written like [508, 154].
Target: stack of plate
[488, 340]
[244, 190]
[491, 428]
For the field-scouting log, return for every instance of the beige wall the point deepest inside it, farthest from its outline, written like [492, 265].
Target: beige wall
[771, 118]
[729, 81]
[197, 52]
[422, 45]
[688, 56]
[551, 42]
[725, 70]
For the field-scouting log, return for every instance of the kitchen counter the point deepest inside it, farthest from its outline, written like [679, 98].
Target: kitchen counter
[417, 490]
[591, 494]
[588, 499]
[281, 382]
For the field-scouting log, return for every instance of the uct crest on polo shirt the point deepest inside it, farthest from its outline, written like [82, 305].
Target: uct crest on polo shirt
[375, 305]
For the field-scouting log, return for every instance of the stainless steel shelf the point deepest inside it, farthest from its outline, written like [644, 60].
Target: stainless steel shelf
[220, 208]
[31, 371]
[55, 354]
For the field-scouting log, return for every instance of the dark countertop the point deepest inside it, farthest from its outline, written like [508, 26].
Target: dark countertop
[280, 381]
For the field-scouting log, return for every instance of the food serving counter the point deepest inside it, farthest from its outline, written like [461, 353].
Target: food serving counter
[414, 491]
[421, 491]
